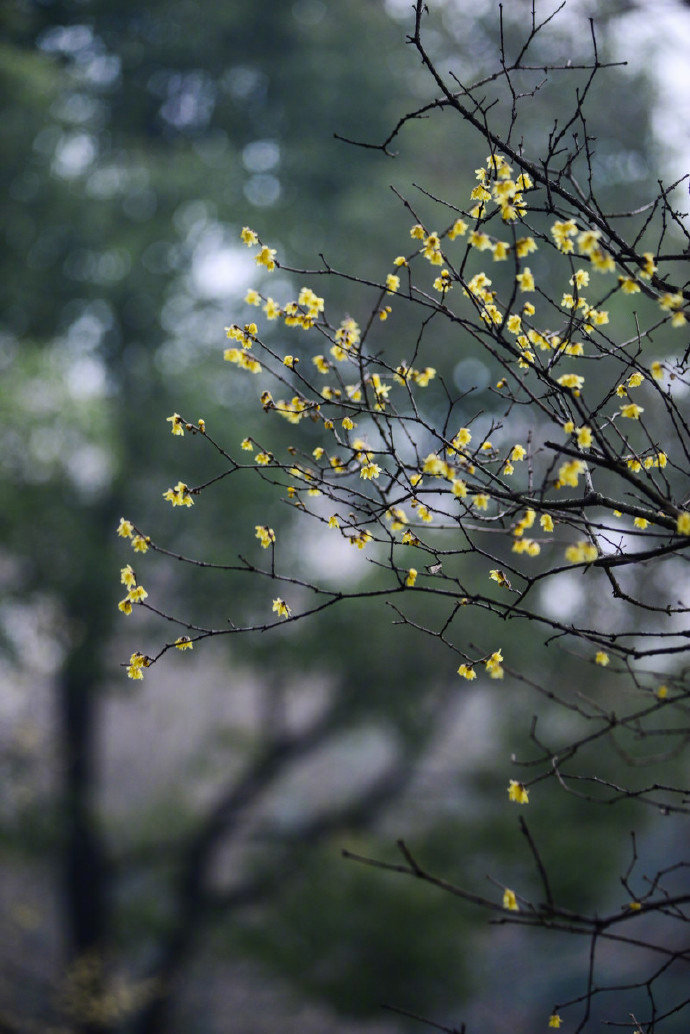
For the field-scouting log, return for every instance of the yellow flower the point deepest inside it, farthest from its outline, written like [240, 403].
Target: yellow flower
[392, 283]
[125, 606]
[640, 522]
[252, 297]
[463, 437]
[272, 309]
[518, 453]
[184, 643]
[602, 658]
[442, 282]
[569, 472]
[571, 380]
[524, 245]
[265, 535]
[125, 528]
[333, 521]
[683, 523]
[411, 577]
[370, 471]
[481, 501]
[247, 444]
[176, 424]
[498, 576]
[555, 1020]
[525, 279]
[546, 521]
[662, 692]
[631, 411]
[510, 901]
[581, 552]
[458, 229]
[417, 232]
[249, 237]
[127, 576]
[137, 594]
[517, 792]
[266, 257]
[140, 544]
[136, 662]
[649, 267]
[290, 361]
[493, 665]
[179, 495]
[467, 672]
[584, 437]
[281, 608]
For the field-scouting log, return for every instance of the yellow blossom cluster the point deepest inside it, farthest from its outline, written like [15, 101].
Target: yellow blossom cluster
[581, 552]
[179, 495]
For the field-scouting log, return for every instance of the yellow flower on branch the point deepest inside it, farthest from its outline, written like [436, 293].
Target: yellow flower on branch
[631, 411]
[517, 792]
[281, 608]
[582, 552]
[467, 672]
[176, 424]
[127, 576]
[683, 523]
[510, 901]
[125, 528]
[265, 535]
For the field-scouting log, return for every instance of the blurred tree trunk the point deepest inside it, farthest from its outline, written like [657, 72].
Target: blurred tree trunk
[84, 870]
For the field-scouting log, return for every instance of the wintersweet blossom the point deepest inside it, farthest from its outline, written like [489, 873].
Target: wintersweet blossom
[127, 576]
[125, 528]
[265, 535]
[683, 523]
[176, 424]
[582, 552]
[510, 901]
[249, 237]
[517, 792]
[467, 672]
[137, 662]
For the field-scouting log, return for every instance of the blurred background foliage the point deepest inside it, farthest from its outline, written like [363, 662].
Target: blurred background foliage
[171, 851]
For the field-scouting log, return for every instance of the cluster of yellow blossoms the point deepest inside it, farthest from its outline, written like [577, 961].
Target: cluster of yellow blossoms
[497, 191]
